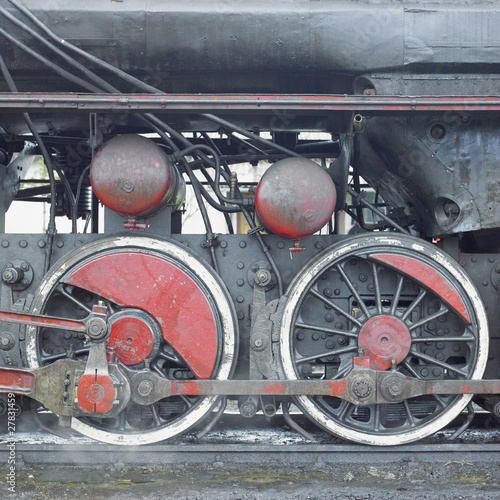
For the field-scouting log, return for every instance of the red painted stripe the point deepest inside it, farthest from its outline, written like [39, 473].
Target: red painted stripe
[429, 277]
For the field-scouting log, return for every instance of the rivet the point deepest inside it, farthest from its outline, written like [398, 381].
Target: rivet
[318, 245]
[223, 244]
[23, 243]
[78, 243]
[5, 243]
[240, 265]
[240, 315]
[240, 299]
[240, 282]
[59, 244]
[485, 283]
[41, 243]
[473, 259]
[281, 244]
[243, 244]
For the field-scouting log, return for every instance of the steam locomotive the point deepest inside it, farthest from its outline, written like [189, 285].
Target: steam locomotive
[383, 112]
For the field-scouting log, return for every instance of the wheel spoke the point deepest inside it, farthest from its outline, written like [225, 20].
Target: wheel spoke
[442, 311]
[122, 421]
[326, 354]
[342, 372]
[376, 418]
[54, 357]
[438, 398]
[464, 338]
[346, 314]
[187, 401]
[397, 295]
[156, 415]
[62, 290]
[308, 326]
[172, 357]
[353, 290]
[414, 304]
[436, 362]
[378, 297]
[408, 413]
[345, 407]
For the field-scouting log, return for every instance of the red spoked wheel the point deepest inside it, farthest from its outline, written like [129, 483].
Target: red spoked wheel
[392, 298]
[169, 313]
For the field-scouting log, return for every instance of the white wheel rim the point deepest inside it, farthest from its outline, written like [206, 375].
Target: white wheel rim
[224, 309]
[296, 291]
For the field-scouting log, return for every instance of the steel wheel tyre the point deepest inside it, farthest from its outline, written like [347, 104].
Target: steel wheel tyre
[388, 296]
[166, 270]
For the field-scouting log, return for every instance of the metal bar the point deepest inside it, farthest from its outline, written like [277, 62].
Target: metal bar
[258, 387]
[46, 321]
[336, 388]
[242, 102]
[18, 381]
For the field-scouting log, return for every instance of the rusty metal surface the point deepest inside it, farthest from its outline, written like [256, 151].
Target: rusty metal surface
[295, 198]
[131, 175]
[239, 102]
[384, 339]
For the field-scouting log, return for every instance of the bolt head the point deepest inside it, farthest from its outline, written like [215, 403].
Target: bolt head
[362, 388]
[145, 388]
[8, 276]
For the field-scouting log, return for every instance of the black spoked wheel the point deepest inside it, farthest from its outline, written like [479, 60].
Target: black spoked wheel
[391, 298]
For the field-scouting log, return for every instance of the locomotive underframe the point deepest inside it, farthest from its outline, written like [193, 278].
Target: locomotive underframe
[240, 260]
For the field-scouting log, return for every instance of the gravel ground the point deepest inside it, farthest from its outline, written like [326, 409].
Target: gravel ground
[456, 475]
[223, 481]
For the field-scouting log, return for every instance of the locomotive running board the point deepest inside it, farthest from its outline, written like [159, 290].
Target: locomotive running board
[226, 103]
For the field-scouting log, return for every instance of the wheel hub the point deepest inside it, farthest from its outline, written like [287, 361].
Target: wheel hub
[135, 336]
[384, 338]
